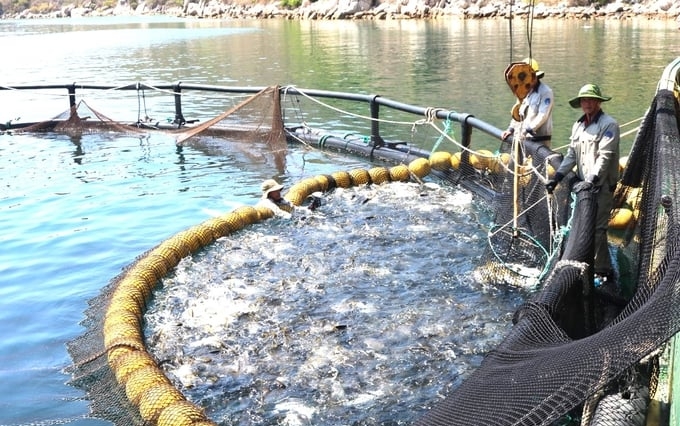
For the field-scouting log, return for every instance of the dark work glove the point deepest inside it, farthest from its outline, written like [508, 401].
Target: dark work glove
[552, 183]
[584, 185]
[315, 201]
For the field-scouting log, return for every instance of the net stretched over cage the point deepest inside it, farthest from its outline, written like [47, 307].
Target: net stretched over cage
[78, 119]
[256, 118]
[575, 348]
[254, 127]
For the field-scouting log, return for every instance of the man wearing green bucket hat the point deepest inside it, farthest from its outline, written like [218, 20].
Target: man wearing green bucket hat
[594, 150]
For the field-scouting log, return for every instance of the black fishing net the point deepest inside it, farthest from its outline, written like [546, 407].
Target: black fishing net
[521, 238]
[575, 347]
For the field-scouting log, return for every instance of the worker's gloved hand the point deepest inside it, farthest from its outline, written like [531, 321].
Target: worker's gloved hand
[586, 185]
[552, 183]
[315, 200]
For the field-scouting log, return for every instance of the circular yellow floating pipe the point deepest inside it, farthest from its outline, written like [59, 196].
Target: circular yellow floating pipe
[342, 179]
[420, 167]
[482, 159]
[181, 413]
[127, 364]
[359, 177]
[323, 181]
[156, 399]
[379, 175]
[440, 160]
[141, 380]
[145, 384]
[455, 160]
[399, 173]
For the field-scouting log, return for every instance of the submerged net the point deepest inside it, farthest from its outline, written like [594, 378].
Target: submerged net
[78, 119]
[573, 346]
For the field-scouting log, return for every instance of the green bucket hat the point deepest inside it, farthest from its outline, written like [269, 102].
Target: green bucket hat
[588, 91]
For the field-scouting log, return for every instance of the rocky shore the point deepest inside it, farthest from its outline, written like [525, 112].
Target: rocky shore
[378, 10]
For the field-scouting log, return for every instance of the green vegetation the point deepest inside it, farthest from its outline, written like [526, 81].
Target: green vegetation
[291, 4]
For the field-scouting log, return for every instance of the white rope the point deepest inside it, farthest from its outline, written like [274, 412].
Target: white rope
[632, 121]
[409, 123]
[623, 135]
[522, 213]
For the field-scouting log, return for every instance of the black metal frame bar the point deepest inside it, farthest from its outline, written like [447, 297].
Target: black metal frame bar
[467, 121]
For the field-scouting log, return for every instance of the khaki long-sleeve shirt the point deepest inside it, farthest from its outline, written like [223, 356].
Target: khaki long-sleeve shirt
[535, 112]
[594, 150]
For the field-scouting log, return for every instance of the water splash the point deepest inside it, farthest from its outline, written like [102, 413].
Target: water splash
[363, 312]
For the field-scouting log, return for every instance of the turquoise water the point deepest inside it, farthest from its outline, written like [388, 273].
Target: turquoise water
[75, 211]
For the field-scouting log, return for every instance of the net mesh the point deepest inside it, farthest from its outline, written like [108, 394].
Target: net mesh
[257, 122]
[256, 118]
[521, 239]
[78, 119]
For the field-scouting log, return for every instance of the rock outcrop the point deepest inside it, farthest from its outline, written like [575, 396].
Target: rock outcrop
[379, 9]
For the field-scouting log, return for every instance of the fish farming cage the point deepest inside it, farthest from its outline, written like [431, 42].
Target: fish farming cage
[581, 354]
[575, 353]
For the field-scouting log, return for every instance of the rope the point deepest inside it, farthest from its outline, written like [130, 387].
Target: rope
[523, 212]
[430, 118]
[507, 265]
[139, 107]
[624, 134]
[410, 123]
[447, 130]
[512, 3]
[632, 121]
[295, 106]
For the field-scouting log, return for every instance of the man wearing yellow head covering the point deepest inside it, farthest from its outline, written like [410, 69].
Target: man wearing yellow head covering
[532, 117]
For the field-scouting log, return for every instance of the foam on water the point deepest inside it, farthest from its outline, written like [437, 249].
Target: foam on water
[363, 312]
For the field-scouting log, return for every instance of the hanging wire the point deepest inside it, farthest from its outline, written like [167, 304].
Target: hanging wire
[512, 3]
[141, 99]
[530, 27]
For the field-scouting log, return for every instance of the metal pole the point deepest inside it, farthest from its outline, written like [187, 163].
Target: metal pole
[72, 96]
[179, 118]
[466, 140]
[376, 140]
